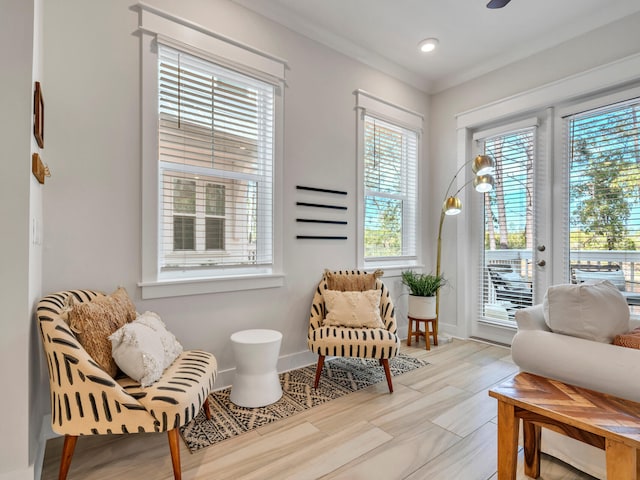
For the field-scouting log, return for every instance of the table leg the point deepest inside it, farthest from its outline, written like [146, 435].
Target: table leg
[410, 332]
[532, 442]
[622, 460]
[508, 426]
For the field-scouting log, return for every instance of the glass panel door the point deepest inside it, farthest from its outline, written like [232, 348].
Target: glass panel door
[507, 269]
[603, 157]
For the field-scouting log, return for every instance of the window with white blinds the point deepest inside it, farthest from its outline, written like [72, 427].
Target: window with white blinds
[604, 191]
[508, 227]
[390, 187]
[215, 154]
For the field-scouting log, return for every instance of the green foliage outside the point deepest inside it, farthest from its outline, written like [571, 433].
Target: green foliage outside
[515, 240]
[385, 240]
[607, 189]
[383, 159]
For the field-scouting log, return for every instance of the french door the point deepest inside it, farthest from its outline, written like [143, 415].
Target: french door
[565, 208]
[511, 225]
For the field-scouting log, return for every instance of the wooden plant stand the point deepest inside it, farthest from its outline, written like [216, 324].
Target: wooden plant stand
[419, 333]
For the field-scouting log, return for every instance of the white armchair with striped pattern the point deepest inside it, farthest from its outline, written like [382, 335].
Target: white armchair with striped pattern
[85, 400]
[376, 343]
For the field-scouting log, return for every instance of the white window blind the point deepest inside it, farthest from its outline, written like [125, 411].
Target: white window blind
[603, 150]
[390, 183]
[215, 147]
[508, 227]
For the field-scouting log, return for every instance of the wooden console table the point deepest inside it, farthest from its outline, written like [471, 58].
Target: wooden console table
[601, 420]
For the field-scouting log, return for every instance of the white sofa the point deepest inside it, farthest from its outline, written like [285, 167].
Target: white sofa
[598, 366]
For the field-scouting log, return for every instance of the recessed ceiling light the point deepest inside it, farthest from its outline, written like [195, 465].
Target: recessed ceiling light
[428, 44]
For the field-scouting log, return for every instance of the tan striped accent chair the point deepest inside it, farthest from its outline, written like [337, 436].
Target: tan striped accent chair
[376, 343]
[85, 400]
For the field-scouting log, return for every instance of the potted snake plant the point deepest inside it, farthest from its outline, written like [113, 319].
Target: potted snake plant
[423, 288]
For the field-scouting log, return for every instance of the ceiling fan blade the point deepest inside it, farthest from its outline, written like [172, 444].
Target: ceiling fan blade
[497, 3]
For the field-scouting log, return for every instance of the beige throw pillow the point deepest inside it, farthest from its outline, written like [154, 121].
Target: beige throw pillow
[595, 312]
[353, 309]
[94, 321]
[352, 282]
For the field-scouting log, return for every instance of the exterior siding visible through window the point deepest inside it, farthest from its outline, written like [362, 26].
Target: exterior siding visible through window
[215, 157]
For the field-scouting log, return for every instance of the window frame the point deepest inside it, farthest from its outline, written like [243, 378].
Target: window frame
[159, 26]
[368, 105]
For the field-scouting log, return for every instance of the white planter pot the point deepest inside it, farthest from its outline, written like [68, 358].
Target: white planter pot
[422, 307]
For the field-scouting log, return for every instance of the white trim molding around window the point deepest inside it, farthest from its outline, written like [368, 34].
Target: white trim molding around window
[388, 149]
[211, 161]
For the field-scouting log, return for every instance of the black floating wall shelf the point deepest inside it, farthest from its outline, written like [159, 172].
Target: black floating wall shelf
[311, 220]
[321, 205]
[323, 190]
[319, 237]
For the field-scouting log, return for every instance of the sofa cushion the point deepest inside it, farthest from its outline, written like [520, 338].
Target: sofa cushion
[630, 340]
[175, 399]
[353, 309]
[595, 312]
[94, 321]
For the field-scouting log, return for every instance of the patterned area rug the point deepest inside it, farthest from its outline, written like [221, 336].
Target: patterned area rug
[340, 377]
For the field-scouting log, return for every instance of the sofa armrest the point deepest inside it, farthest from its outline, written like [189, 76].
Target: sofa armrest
[531, 318]
[598, 366]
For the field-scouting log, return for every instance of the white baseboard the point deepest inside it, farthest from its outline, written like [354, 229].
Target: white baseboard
[24, 474]
[45, 434]
[285, 363]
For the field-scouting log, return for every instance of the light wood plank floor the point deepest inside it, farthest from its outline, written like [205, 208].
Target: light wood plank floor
[439, 423]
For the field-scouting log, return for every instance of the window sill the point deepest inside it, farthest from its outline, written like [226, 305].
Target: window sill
[392, 270]
[197, 286]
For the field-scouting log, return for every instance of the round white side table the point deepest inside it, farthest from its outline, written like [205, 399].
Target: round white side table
[256, 381]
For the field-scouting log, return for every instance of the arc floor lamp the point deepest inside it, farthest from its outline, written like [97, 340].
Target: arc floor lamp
[483, 167]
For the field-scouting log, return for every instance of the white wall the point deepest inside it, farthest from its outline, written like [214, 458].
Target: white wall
[93, 202]
[601, 46]
[20, 205]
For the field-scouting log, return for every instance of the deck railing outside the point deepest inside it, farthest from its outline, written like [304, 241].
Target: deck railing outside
[521, 262]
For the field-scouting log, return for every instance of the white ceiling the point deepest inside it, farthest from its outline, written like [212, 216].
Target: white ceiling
[473, 39]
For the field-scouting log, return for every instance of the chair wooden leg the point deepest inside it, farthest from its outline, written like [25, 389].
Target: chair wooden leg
[387, 372]
[207, 408]
[174, 446]
[67, 453]
[319, 370]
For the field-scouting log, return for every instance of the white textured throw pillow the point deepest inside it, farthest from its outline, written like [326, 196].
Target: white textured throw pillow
[138, 351]
[172, 347]
[595, 312]
[353, 309]
[144, 348]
